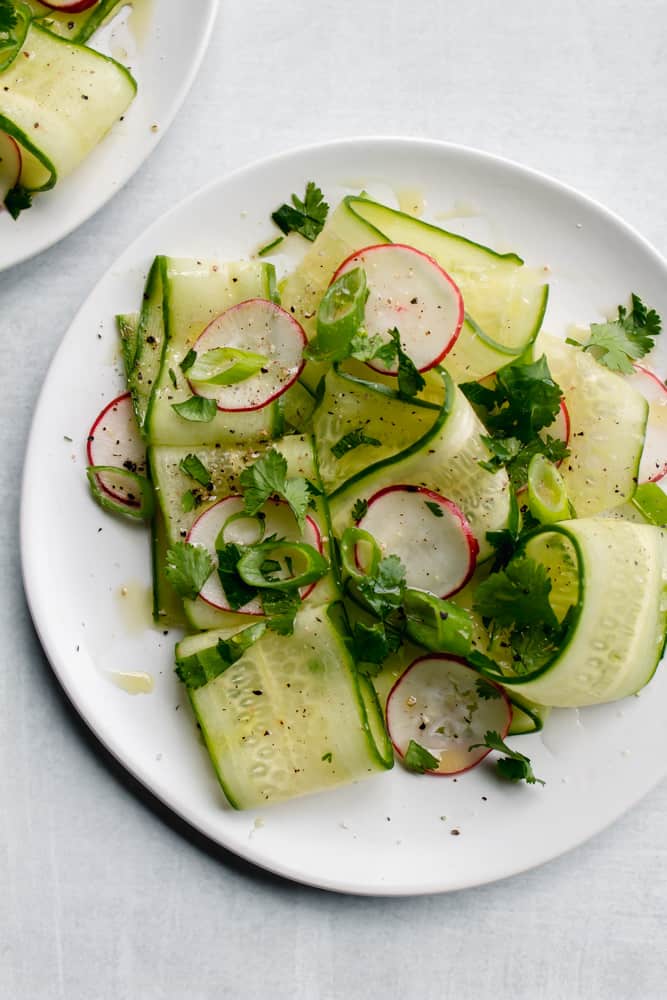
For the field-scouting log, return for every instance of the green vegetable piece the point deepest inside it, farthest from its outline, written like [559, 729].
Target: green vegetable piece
[266, 478]
[630, 336]
[359, 509]
[280, 608]
[259, 565]
[515, 766]
[437, 625]
[200, 668]
[340, 316]
[15, 18]
[651, 503]
[140, 502]
[193, 467]
[198, 409]
[383, 591]
[435, 508]
[306, 217]
[418, 758]
[351, 440]
[410, 382]
[237, 592]
[268, 247]
[187, 568]
[517, 595]
[372, 645]
[226, 366]
[547, 493]
[351, 538]
[188, 361]
[17, 200]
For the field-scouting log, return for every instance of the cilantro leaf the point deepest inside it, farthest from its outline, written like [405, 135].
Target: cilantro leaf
[237, 592]
[383, 592]
[193, 467]
[531, 648]
[359, 509]
[306, 216]
[524, 400]
[188, 567]
[515, 766]
[266, 478]
[188, 361]
[487, 690]
[418, 758]
[517, 595]
[435, 508]
[200, 668]
[410, 382]
[199, 409]
[280, 608]
[372, 645]
[630, 336]
[353, 439]
[190, 500]
[8, 17]
[365, 348]
[17, 200]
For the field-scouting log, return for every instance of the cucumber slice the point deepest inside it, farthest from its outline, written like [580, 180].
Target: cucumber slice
[505, 302]
[608, 420]
[72, 93]
[288, 718]
[614, 575]
[195, 292]
[77, 27]
[446, 460]
[167, 605]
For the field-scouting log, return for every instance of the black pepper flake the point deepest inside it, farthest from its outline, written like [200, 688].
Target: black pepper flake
[455, 832]
[258, 692]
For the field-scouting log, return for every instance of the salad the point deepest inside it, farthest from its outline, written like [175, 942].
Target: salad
[58, 96]
[396, 519]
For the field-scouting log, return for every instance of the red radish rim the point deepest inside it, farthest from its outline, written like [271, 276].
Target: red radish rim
[89, 449]
[74, 7]
[473, 544]
[19, 159]
[464, 663]
[449, 279]
[256, 614]
[283, 388]
[641, 369]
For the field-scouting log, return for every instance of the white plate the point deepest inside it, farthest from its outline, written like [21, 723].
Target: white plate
[393, 833]
[163, 49]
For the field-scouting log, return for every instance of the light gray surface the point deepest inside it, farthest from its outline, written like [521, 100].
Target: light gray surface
[105, 896]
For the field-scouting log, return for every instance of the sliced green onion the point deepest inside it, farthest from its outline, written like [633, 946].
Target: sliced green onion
[137, 488]
[340, 316]
[241, 515]
[368, 554]
[268, 247]
[547, 495]
[226, 366]
[260, 564]
[437, 625]
[651, 503]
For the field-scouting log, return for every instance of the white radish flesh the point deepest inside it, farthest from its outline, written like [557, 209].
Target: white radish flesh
[114, 440]
[10, 164]
[429, 533]
[653, 465]
[446, 707]
[278, 520]
[409, 290]
[263, 328]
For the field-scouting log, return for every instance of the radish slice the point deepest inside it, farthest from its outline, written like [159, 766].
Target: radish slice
[278, 520]
[429, 533]
[446, 707]
[69, 6]
[560, 428]
[410, 291]
[114, 440]
[254, 328]
[10, 164]
[653, 465]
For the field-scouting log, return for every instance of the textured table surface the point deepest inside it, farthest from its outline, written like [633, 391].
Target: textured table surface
[103, 894]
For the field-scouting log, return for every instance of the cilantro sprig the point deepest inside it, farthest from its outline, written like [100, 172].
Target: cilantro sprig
[306, 216]
[187, 568]
[618, 342]
[8, 18]
[267, 478]
[353, 439]
[514, 766]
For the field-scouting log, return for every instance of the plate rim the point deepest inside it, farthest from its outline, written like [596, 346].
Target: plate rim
[160, 790]
[87, 212]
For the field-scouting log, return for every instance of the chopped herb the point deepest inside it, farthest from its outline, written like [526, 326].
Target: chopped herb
[359, 509]
[268, 247]
[435, 508]
[173, 379]
[328, 757]
[410, 382]
[353, 439]
[515, 766]
[617, 343]
[188, 567]
[486, 690]
[8, 17]
[188, 361]
[517, 595]
[418, 759]
[195, 469]
[306, 217]
[383, 592]
[237, 592]
[17, 200]
[199, 409]
[267, 478]
[189, 501]
[280, 608]
[373, 644]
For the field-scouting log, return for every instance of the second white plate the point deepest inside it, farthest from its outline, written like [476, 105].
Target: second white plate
[396, 833]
